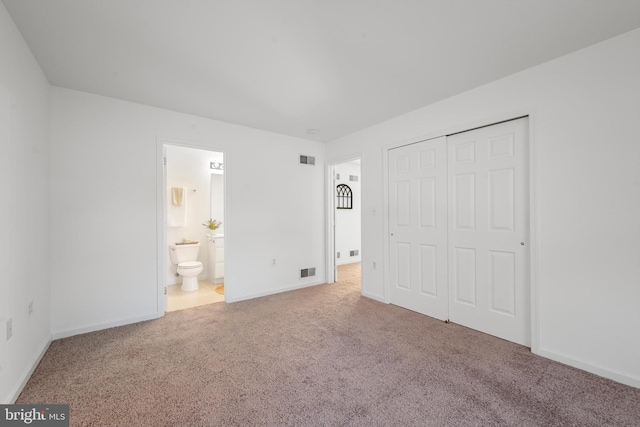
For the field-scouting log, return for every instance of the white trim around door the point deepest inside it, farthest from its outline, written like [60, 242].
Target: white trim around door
[330, 217]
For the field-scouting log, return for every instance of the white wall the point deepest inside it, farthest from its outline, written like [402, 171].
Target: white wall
[348, 220]
[24, 217]
[585, 111]
[104, 178]
[189, 168]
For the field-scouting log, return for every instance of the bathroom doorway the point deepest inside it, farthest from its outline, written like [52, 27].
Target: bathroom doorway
[345, 240]
[198, 176]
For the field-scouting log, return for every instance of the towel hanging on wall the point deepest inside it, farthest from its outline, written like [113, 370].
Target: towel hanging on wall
[177, 195]
[177, 213]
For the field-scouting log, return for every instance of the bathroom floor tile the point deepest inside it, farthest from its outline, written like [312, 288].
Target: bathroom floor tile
[179, 300]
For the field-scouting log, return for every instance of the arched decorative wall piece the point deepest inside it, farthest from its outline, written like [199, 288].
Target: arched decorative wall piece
[345, 197]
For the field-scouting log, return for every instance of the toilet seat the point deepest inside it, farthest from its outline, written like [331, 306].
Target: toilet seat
[190, 264]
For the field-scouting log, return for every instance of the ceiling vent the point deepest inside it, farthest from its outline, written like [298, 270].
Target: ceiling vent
[307, 160]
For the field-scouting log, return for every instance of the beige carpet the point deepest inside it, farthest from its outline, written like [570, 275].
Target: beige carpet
[320, 356]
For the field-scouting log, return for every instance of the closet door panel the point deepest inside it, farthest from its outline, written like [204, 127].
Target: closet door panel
[418, 227]
[488, 234]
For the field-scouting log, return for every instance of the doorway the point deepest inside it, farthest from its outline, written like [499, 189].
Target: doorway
[198, 174]
[459, 227]
[345, 218]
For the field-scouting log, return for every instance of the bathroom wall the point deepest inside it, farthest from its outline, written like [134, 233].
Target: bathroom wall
[24, 217]
[348, 220]
[105, 170]
[189, 168]
[585, 110]
[217, 213]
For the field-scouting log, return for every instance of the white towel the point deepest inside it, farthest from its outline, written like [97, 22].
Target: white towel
[176, 214]
[176, 195]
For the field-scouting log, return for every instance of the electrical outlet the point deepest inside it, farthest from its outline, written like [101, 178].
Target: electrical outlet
[273, 262]
[9, 328]
[30, 308]
[375, 266]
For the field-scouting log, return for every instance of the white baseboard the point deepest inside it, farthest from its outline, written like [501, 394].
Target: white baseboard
[617, 376]
[13, 396]
[100, 326]
[273, 292]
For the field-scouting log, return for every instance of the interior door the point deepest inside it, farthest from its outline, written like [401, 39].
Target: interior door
[418, 227]
[488, 230]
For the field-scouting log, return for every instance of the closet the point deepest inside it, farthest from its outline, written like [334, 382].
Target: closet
[459, 226]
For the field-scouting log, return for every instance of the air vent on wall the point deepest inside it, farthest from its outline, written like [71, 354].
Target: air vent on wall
[355, 252]
[307, 160]
[353, 177]
[307, 272]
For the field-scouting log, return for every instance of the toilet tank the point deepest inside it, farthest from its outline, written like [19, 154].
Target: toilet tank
[185, 252]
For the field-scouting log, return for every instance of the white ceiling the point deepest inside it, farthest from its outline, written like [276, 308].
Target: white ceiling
[291, 65]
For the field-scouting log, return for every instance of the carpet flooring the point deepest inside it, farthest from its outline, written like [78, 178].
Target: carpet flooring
[319, 356]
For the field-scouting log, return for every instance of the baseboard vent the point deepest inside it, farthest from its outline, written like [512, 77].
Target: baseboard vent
[307, 272]
[355, 252]
[353, 177]
[307, 160]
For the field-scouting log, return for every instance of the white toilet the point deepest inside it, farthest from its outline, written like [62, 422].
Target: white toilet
[185, 256]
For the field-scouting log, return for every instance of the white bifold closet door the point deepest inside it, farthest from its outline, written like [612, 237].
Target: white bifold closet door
[418, 227]
[458, 219]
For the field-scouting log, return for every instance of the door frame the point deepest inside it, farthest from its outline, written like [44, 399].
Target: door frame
[161, 212]
[534, 235]
[331, 273]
